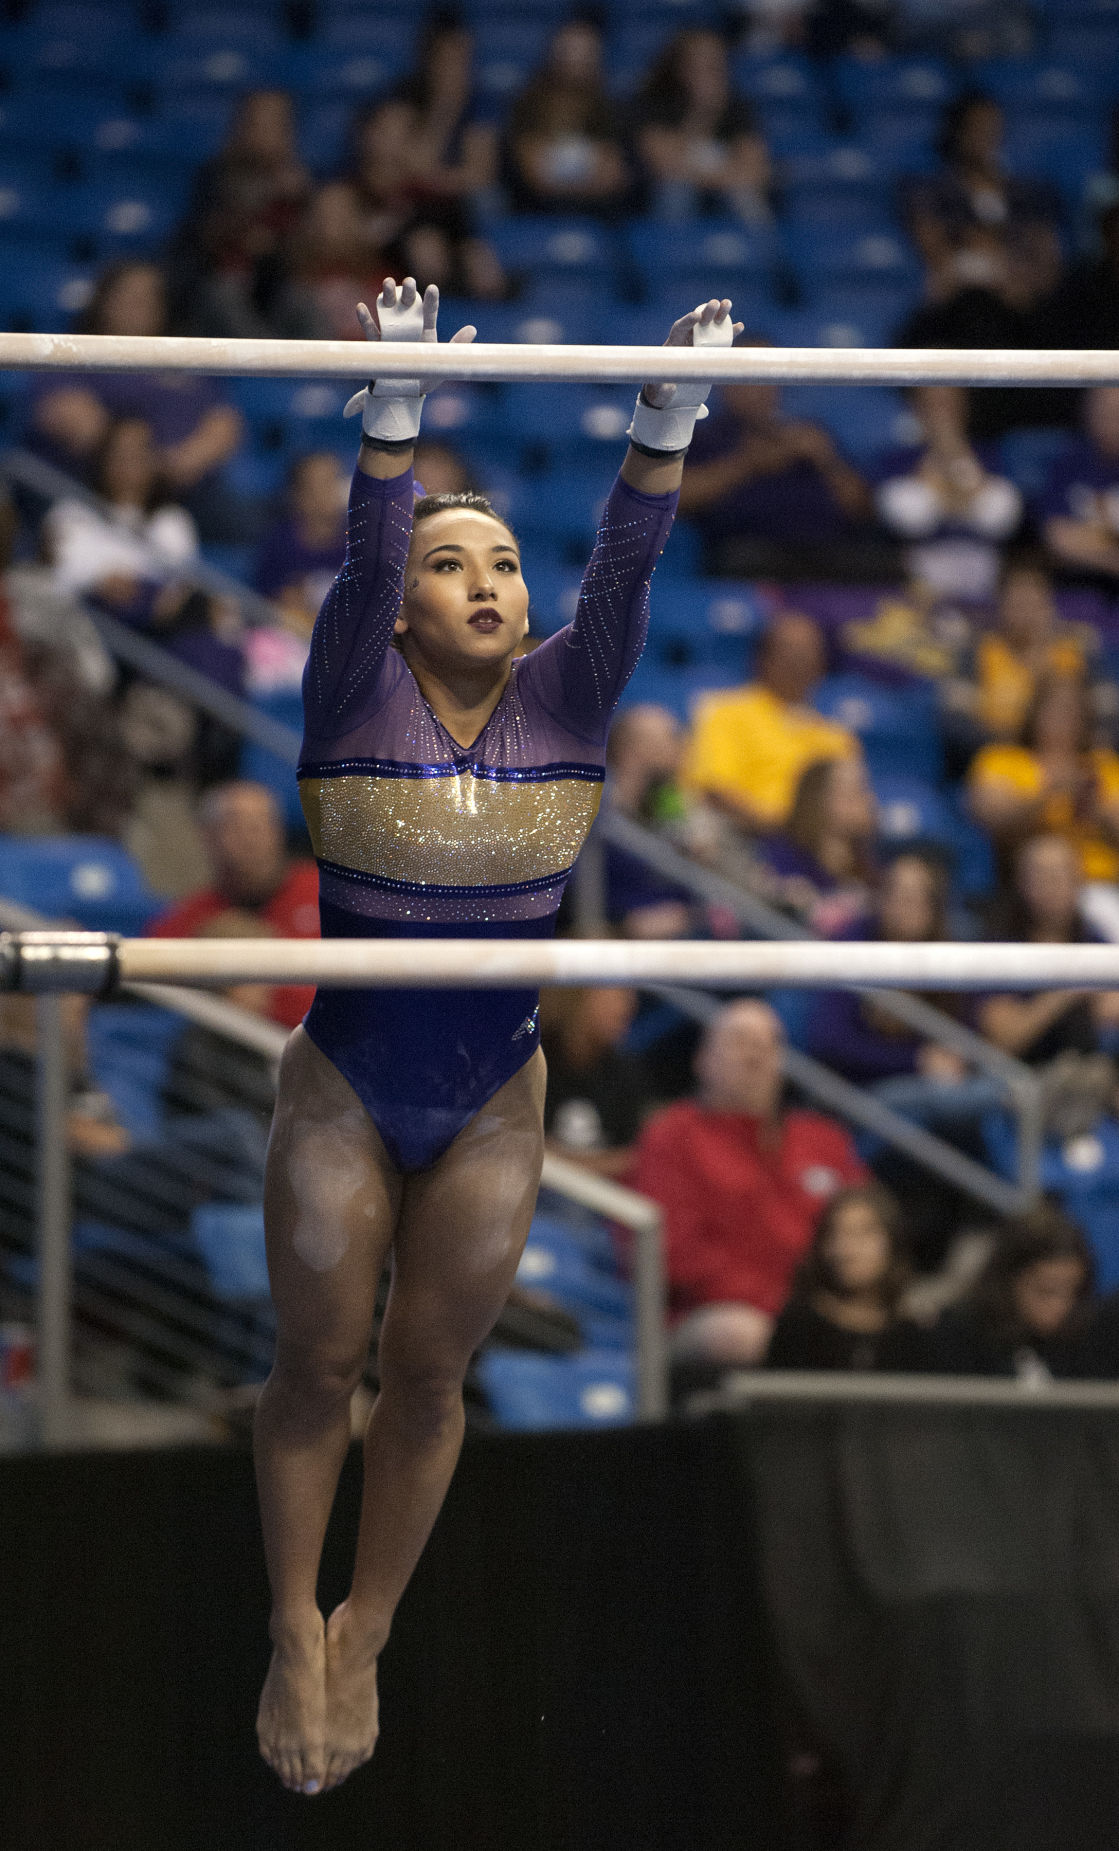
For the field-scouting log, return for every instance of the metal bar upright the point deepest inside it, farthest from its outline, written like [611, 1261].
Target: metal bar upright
[53, 1220]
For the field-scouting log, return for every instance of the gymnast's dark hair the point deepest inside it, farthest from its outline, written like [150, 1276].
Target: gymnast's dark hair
[466, 498]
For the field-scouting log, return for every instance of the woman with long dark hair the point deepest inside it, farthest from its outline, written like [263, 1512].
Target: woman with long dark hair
[823, 859]
[697, 138]
[1029, 1314]
[844, 1311]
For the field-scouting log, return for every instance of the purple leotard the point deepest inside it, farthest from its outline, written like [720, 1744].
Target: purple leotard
[417, 836]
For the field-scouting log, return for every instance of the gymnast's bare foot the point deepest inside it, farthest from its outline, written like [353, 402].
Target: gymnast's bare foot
[351, 1695]
[291, 1721]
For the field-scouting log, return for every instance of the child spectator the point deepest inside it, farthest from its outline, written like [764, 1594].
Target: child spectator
[823, 860]
[845, 1308]
[772, 497]
[1080, 507]
[697, 138]
[947, 501]
[564, 152]
[598, 1094]
[741, 1181]
[1029, 1315]
[749, 747]
[1053, 780]
[643, 757]
[194, 428]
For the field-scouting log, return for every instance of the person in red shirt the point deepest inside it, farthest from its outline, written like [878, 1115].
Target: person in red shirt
[252, 873]
[741, 1182]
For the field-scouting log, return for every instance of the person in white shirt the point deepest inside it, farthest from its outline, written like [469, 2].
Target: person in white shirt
[139, 539]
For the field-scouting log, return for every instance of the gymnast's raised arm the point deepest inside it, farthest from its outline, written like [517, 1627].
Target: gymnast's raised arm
[583, 670]
[342, 683]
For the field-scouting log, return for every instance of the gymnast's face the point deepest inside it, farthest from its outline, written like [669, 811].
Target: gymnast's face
[465, 602]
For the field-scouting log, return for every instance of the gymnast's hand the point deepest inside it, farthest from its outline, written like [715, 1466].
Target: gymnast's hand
[709, 325]
[402, 315]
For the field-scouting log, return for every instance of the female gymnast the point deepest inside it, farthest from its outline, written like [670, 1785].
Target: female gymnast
[448, 788]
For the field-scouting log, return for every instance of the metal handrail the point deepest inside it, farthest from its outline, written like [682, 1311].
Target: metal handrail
[764, 921]
[642, 1217]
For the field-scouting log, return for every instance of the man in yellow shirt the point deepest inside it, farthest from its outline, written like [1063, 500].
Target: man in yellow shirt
[749, 747]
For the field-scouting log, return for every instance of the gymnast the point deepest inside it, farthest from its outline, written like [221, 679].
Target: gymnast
[448, 788]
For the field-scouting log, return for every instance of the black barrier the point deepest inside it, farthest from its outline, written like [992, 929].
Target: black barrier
[582, 1662]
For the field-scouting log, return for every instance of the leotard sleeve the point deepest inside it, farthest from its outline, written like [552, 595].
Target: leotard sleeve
[346, 677]
[580, 673]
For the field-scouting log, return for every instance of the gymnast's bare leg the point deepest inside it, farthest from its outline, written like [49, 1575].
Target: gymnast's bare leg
[335, 1205]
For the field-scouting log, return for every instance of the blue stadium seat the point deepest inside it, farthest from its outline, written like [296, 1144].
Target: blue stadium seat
[525, 1391]
[897, 726]
[865, 208]
[41, 291]
[230, 1238]
[662, 252]
[129, 1053]
[1093, 44]
[866, 421]
[555, 1263]
[369, 29]
[222, 70]
[1035, 84]
[209, 27]
[91, 879]
[1028, 456]
[265, 768]
[566, 503]
[911, 810]
[567, 418]
[845, 314]
[921, 84]
[542, 245]
[29, 202]
[1083, 1174]
[818, 254]
[355, 74]
[119, 218]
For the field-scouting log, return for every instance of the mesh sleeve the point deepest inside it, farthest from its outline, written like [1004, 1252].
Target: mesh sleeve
[353, 630]
[583, 670]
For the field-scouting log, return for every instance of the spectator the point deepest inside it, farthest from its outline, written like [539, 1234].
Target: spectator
[1084, 311]
[868, 1045]
[333, 259]
[196, 431]
[246, 201]
[453, 161]
[1044, 907]
[697, 138]
[564, 152]
[947, 501]
[598, 1094]
[643, 757]
[823, 860]
[1030, 1313]
[251, 873]
[845, 1308]
[298, 560]
[138, 542]
[1080, 507]
[772, 496]
[131, 558]
[1054, 780]
[1029, 645]
[741, 1181]
[975, 224]
[749, 747]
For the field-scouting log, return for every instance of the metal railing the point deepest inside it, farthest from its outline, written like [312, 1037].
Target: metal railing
[161, 1314]
[1019, 1083]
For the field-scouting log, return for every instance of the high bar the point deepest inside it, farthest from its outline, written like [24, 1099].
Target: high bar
[515, 361]
[94, 962]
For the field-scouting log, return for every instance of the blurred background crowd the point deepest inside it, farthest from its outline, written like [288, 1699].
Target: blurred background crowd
[881, 693]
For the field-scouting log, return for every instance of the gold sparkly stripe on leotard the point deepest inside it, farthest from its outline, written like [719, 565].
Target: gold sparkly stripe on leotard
[457, 831]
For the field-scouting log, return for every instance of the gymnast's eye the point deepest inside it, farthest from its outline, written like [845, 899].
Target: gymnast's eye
[441, 564]
[507, 565]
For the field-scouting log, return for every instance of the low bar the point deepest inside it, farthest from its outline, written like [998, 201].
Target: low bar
[42, 961]
[503, 360]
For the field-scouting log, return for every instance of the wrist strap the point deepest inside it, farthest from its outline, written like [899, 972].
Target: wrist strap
[385, 446]
[663, 456]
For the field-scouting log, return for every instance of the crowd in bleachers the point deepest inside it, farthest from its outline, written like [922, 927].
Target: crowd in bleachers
[880, 693]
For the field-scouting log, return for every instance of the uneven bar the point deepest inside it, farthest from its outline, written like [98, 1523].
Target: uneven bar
[889, 366]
